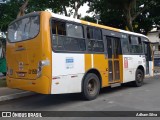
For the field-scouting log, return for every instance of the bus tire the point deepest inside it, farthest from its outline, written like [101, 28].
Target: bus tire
[139, 78]
[91, 87]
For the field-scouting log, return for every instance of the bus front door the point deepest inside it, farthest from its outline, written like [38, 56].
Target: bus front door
[148, 55]
[113, 50]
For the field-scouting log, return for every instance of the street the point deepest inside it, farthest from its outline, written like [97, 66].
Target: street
[124, 98]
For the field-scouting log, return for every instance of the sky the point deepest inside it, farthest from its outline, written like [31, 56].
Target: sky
[83, 10]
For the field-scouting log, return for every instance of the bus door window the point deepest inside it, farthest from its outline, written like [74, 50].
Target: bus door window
[147, 53]
[116, 48]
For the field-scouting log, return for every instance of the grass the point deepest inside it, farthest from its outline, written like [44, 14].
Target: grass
[3, 82]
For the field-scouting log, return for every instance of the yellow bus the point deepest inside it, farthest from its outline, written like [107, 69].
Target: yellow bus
[53, 54]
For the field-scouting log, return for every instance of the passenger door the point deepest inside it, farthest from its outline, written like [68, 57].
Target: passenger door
[113, 50]
[148, 55]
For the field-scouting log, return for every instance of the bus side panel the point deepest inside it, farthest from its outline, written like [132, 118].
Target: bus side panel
[130, 65]
[101, 64]
[67, 72]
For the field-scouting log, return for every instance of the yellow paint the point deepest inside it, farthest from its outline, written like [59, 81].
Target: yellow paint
[87, 62]
[101, 64]
[100, 26]
[121, 67]
[36, 49]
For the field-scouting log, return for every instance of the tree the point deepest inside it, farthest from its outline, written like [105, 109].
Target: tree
[125, 12]
[88, 18]
[75, 5]
[22, 9]
[8, 11]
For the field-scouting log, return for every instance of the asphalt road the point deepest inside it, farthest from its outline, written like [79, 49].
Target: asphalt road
[124, 98]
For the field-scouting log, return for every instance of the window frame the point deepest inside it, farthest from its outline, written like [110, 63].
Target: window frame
[87, 40]
[70, 22]
[21, 18]
[130, 45]
[74, 23]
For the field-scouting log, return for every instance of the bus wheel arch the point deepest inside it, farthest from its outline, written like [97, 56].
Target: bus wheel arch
[92, 79]
[140, 67]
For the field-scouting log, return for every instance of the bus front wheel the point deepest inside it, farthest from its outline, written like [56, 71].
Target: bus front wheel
[91, 87]
[139, 78]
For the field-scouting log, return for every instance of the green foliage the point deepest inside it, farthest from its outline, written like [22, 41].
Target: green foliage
[137, 15]
[115, 13]
[89, 19]
[9, 11]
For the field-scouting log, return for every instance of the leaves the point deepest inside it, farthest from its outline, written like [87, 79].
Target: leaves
[137, 15]
[9, 11]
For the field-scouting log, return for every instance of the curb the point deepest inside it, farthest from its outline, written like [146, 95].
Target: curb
[15, 96]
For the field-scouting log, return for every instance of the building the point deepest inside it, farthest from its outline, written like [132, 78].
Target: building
[154, 37]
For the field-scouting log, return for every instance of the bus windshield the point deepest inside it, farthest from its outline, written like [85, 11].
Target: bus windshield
[23, 29]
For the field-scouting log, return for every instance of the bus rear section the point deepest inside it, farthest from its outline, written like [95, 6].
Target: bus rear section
[28, 61]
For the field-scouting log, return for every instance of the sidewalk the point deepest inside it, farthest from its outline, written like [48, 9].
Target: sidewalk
[9, 94]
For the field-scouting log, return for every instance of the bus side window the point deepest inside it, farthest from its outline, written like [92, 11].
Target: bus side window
[67, 36]
[125, 44]
[135, 45]
[58, 28]
[95, 42]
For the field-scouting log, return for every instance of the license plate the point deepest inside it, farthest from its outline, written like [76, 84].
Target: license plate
[21, 74]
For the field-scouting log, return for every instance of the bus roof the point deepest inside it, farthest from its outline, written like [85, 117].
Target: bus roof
[94, 24]
[82, 22]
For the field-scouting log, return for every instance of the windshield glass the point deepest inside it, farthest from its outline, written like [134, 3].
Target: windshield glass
[23, 29]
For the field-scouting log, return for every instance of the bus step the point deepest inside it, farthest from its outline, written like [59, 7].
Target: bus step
[115, 85]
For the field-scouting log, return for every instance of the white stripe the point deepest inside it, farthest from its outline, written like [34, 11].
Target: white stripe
[133, 33]
[92, 59]
[65, 18]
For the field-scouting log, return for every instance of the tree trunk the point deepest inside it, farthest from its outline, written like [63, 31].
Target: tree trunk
[77, 5]
[75, 13]
[127, 13]
[22, 9]
[129, 21]
[65, 11]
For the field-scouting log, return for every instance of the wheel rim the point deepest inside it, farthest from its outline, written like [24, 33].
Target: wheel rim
[139, 78]
[92, 87]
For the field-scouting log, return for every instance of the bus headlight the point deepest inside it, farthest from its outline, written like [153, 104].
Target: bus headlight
[41, 64]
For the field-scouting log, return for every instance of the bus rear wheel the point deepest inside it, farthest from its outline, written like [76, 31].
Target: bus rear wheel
[91, 87]
[139, 78]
